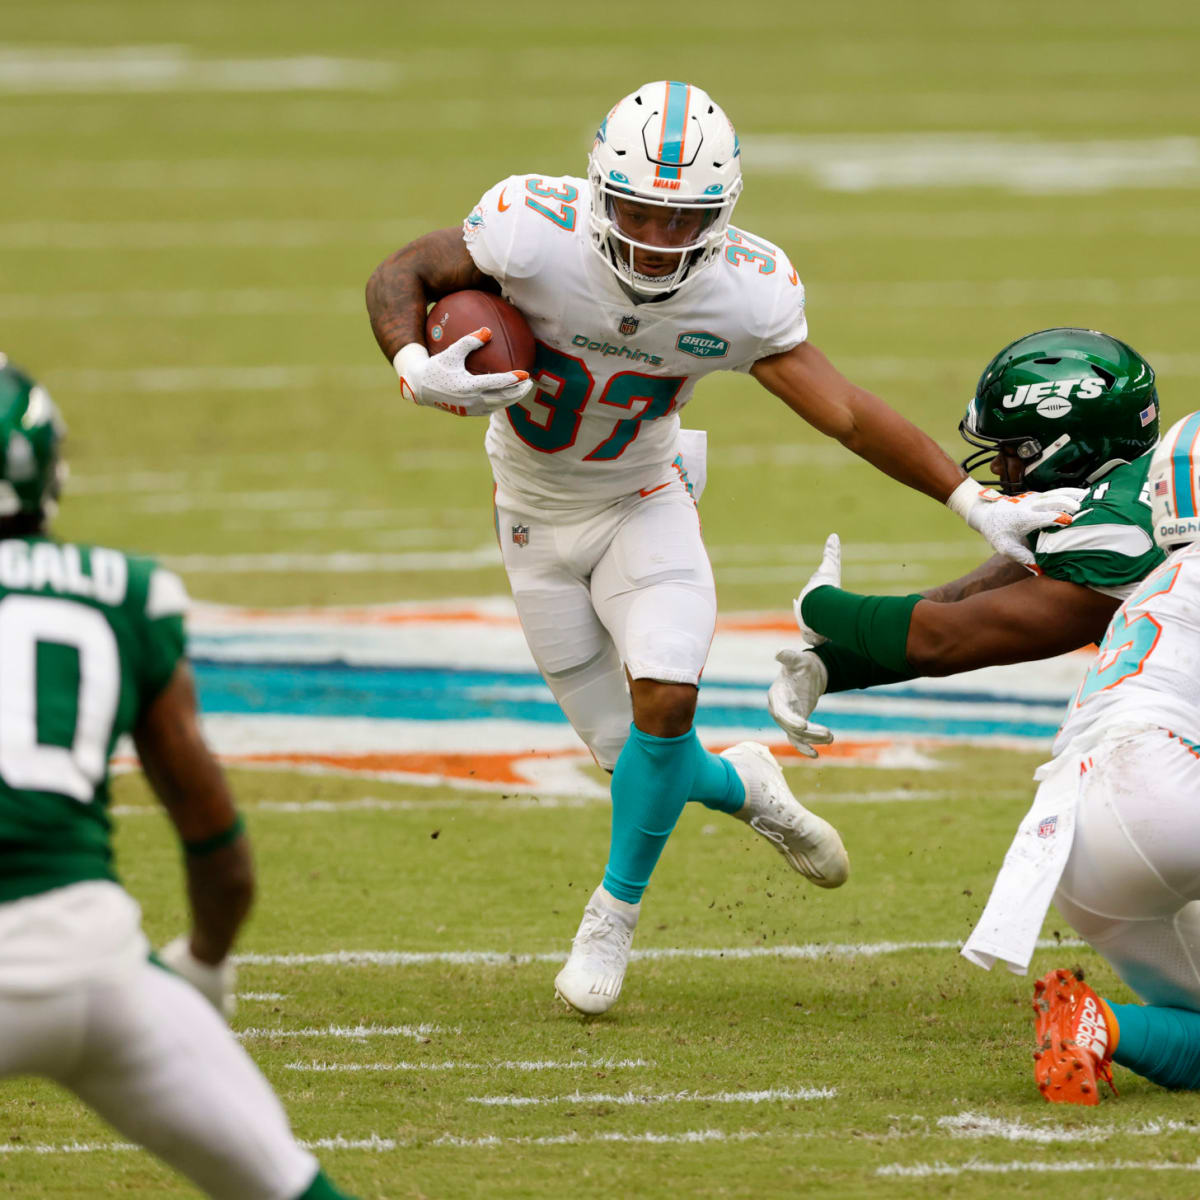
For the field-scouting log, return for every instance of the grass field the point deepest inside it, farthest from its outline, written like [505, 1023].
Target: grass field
[194, 196]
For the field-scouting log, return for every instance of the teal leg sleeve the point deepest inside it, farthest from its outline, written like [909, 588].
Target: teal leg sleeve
[1161, 1044]
[322, 1189]
[650, 785]
[716, 784]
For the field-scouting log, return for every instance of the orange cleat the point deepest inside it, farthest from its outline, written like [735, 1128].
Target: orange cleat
[1073, 1041]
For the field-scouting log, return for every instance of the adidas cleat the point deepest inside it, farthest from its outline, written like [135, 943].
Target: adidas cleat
[1073, 1043]
[590, 980]
[810, 844]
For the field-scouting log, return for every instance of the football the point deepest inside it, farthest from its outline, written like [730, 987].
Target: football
[460, 313]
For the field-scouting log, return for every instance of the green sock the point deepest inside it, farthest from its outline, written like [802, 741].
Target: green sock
[322, 1189]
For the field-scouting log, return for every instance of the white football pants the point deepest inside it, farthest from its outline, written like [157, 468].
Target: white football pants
[1131, 886]
[151, 1056]
[630, 587]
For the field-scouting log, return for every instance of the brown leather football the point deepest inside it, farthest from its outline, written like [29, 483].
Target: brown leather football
[456, 315]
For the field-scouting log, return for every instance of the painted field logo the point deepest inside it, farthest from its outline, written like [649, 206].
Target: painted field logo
[702, 345]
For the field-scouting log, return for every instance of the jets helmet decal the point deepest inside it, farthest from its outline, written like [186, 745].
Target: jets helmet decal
[1071, 404]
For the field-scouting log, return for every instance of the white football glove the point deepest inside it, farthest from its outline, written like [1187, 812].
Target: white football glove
[794, 695]
[1006, 521]
[443, 381]
[828, 574]
[214, 983]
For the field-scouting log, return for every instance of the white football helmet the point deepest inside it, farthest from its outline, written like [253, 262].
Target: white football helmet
[668, 145]
[1174, 483]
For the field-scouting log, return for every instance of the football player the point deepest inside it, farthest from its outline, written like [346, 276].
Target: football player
[1062, 407]
[92, 647]
[636, 286]
[1113, 834]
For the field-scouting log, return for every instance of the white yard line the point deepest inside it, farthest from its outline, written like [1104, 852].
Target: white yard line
[383, 1145]
[304, 807]
[769, 1096]
[978, 1126]
[417, 1033]
[70, 70]
[265, 996]
[149, 236]
[500, 958]
[1036, 1167]
[237, 303]
[519, 803]
[689, 1137]
[573, 1064]
[1012, 162]
[373, 1142]
[1004, 293]
[68, 1148]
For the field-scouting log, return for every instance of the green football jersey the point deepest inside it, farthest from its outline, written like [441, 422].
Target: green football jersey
[1108, 546]
[88, 637]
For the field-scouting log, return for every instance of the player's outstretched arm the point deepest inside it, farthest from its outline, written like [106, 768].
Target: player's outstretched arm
[407, 282]
[809, 384]
[192, 787]
[1034, 618]
[997, 571]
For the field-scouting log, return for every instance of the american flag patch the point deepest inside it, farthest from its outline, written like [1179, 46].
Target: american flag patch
[1147, 415]
[1047, 826]
[1161, 487]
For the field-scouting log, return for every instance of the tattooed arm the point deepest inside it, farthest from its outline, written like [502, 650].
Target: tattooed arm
[398, 294]
[404, 285]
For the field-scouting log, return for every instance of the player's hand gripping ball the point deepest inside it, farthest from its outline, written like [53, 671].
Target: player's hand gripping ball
[479, 357]
[510, 347]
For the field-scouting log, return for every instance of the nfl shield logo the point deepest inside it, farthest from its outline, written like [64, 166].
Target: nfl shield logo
[1047, 826]
[521, 535]
[629, 325]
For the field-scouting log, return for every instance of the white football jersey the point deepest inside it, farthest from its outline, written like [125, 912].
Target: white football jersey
[613, 373]
[1148, 665]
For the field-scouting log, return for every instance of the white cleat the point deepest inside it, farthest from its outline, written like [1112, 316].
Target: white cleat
[810, 844]
[591, 978]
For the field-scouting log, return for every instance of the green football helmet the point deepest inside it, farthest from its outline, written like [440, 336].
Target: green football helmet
[1070, 403]
[31, 432]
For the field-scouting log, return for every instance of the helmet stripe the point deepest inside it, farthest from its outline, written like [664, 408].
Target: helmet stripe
[1183, 476]
[674, 130]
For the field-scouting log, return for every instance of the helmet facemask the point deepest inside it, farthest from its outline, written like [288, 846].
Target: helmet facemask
[1026, 450]
[699, 225]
